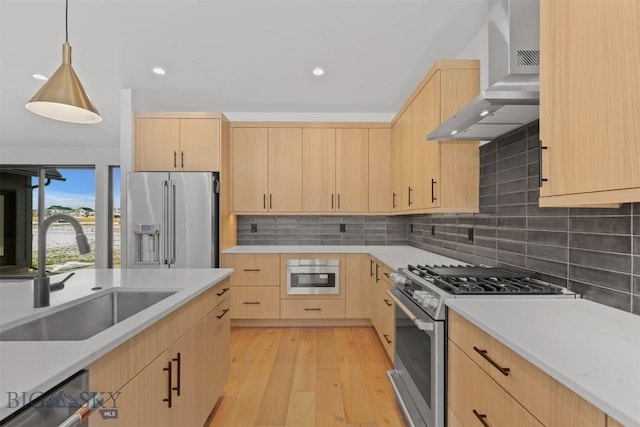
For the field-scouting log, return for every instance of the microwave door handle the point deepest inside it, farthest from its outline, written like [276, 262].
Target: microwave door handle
[420, 324]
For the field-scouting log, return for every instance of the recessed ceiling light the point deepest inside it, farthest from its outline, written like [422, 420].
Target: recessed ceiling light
[159, 71]
[39, 77]
[484, 113]
[453, 132]
[318, 71]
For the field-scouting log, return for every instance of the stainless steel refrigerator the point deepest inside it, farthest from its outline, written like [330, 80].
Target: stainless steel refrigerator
[172, 219]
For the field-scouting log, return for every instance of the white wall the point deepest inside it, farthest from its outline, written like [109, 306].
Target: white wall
[478, 48]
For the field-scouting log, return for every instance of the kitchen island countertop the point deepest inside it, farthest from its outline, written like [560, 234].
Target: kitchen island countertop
[37, 366]
[592, 349]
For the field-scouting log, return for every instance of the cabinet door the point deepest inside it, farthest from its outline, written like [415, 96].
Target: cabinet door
[398, 202]
[380, 193]
[249, 154]
[589, 98]
[425, 155]
[157, 144]
[319, 170]
[200, 145]
[357, 270]
[140, 402]
[216, 335]
[352, 170]
[285, 170]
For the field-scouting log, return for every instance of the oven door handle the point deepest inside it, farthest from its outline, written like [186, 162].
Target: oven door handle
[420, 324]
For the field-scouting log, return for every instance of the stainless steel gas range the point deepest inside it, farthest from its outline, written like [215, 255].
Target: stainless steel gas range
[420, 291]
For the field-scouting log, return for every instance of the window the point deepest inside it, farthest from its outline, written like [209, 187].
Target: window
[68, 190]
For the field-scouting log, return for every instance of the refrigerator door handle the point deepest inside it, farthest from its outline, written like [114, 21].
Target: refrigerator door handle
[165, 220]
[172, 212]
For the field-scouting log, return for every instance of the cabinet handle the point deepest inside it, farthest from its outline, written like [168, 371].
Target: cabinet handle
[410, 202]
[540, 178]
[175, 164]
[264, 201]
[338, 200]
[433, 194]
[386, 274]
[251, 302]
[182, 159]
[481, 417]
[386, 337]
[393, 201]
[178, 361]
[224, 313]
[270, 204]
[377, 268]
[386, 301]
[370, 268]
[331, 201]
[224, 290]
[312, 309]
[250, 269]
[168, 398]
[483, 353]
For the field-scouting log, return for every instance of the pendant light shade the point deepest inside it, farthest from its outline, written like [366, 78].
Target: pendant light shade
[62, 97]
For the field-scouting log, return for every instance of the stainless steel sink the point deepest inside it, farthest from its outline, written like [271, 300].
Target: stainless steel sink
[85, 319]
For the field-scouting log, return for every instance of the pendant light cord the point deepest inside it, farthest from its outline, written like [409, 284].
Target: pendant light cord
[66, 21]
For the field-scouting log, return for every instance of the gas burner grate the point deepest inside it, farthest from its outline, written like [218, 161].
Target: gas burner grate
[478, 280]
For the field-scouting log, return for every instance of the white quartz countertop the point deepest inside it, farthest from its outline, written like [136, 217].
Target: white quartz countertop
[392, 256]
[37, 366]
[592, 349]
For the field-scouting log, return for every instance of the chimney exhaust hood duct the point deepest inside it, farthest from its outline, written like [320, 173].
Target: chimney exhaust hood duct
[513, 95]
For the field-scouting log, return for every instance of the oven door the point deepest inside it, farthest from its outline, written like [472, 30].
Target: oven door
[418, 374]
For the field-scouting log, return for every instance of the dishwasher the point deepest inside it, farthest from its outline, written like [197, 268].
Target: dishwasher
[60, 406]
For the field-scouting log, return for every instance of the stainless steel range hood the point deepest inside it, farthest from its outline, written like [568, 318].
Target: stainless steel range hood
[513, 96]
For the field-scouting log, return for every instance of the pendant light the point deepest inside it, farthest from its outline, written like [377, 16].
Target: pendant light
[62, 97]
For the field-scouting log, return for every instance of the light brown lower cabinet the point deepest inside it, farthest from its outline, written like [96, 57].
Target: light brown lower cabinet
[312, 308]
[505, 389]
[255, 302]
[383, 309]
[181, 384]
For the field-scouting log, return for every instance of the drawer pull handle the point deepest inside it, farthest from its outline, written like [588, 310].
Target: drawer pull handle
[224, 290]
[312, 309]
[224, 312]
[481, 417]
[386, 274]
[483, 353]
[251, 302]
[250, 269]
[386, 301]
[386, 337]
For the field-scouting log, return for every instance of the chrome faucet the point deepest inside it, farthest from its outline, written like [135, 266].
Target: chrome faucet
[41, 283]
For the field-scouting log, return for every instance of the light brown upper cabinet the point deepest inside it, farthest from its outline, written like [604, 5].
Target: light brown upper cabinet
[177, 141]
[380, 192]
[336, 170]
[267, 169]
[589, 102]
[318, 163]
[434, 176]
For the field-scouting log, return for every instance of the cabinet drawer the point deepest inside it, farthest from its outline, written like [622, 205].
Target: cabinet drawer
[473, 395]
[312, 309]
[253, 269]
[551, 402]
[386, 317]
[255, 302]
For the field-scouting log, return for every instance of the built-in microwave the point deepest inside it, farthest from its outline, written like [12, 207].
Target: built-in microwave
[313, 277]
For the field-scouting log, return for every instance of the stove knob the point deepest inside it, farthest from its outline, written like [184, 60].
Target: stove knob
[433, 304]
[430, 302]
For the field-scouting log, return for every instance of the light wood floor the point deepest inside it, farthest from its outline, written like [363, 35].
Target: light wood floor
[307, 377]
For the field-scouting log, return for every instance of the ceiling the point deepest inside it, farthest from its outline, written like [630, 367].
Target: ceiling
[234, 56]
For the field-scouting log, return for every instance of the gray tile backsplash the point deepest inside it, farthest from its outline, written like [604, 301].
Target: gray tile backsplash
[323, 230]
[595, 252]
